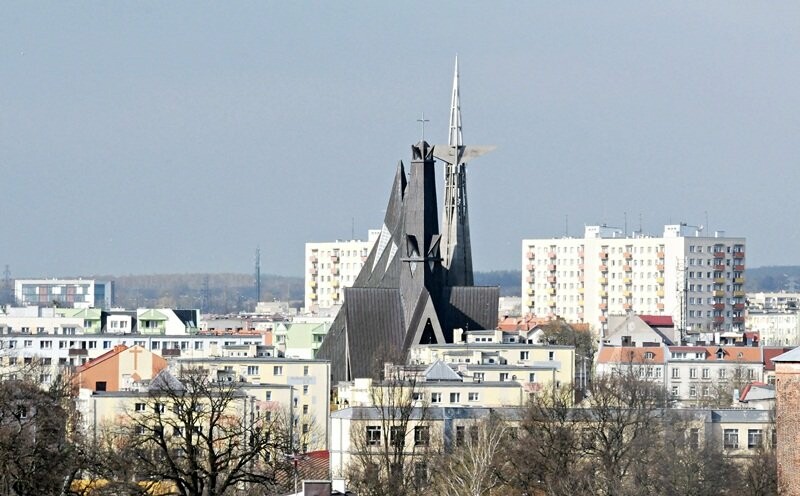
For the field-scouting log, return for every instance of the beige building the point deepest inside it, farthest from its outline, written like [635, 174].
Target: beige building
[775, 327]
[332, 266]
[696, 279]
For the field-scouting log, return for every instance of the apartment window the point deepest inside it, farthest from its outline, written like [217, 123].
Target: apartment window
[503, 376]
[305, 409]
[706, 373]
[460, 439]
[252, 370]
[46, 345]
[422, 435]
[455, 397]
[523, 355]
[751, 374]
[722, 373]
[532, 377]
[676, 373]
[106, 345]
[473, 397]
[417, 396]
[755, 438]
[692, 391]
[730, 439]
[159, 407]
[198, 345]
[277, 370]
[551, 355]
[694, 438]
[397, 436]
[305, 389]
[268, 396]
[674, 390]
[140, 430]
[436, 397]
[693, 373]
[373, 435]
[305, 369]
[478, 377]
[92, 345]
[420, 473]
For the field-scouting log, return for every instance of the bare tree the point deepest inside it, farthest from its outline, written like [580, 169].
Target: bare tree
[389, 452]
[470, 467]
[203, 438]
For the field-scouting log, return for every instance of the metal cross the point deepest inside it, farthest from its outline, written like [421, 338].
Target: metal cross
[423, 120]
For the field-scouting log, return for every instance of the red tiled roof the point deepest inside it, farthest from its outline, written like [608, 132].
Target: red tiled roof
[746, 389]
[770, 353]
[102, 358]
[657, 320]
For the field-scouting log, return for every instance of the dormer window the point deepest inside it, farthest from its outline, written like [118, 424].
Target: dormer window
[649, 355]
[720, 355]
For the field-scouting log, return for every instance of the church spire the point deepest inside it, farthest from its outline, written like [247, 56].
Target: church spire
[455, 138]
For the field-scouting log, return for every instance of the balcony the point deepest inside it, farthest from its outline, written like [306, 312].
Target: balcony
[738, 268]
[335, 296]
[627, 281]
[580, 253]
[603, 255]
[739, 280]
[580, 266]
[738, 254]
[580, 303]
[719, 254]
[660, 280]
[719, 280]
[603, 294]
[171, 352]
[718, 294]
[603, 319]
[312, 284]
[580, 290]
[738, 294]
[718, 306]
[660, 306]
[603, 306]
[660, 293]
[738, 320]
[312, 259]
[531, 291]
[626, 306]
[627, 294]
[719, 319]
[627, 268]
[627, 255]
[529, 279]
[551, 291]
[531, 255]
[719, 268]
[551, 303]
[551, 255]
[335, 283]
[551, 279]
[531, 303]
[603, 280]
[660, 254]
[660, 267]
[738, 306]
[80, 352]
[551, 267]
[530, 267]
[603, 268]
[312, 296]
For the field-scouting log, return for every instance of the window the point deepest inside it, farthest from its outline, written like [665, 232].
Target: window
[503, 376]
[373, 435]
[268, 396]
[140, 407]
[692, 391]
[524, 355]
[397, 435]
[755, 438]
[305, 389]
[436, 397]
[100, 386]
[478, 377]
[305, 409]
[460, 435]
[731, 439]
[417, 396]
[252, 370]
[551, 355]
[706, 373]
[693, 373]
[722, 373]
[277, 370]
[159, 407]
[676, 373]
[694, 438]
[455, 397]
[420, 473]
[140, 430]
[751, 374]
[305, 369]
[674, 390]
[46, 345]
[473, 397]
[106, 345]
[422, 435]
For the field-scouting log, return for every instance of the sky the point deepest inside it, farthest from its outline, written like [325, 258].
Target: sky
[174, 137]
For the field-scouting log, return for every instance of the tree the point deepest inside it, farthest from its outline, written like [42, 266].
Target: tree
[470, 468]
[390, 449]
[202, 437]
[35, 453]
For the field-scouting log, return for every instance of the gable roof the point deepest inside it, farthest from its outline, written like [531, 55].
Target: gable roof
[631, 354]
[440, 371]
[770, 354]
[658, 320]
[116, 350]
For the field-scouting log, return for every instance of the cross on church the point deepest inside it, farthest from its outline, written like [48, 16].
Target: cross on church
[136, 350]
[423, 120]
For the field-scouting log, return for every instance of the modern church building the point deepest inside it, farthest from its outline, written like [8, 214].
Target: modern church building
[416, 285]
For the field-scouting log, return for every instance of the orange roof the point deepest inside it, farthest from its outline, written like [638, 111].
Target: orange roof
[102, 358]
[770, 353]
[631, 354]
[734, 353]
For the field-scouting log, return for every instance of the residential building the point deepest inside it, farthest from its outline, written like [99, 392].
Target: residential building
[73, 293]
[787, 420]
[697, 280]
[332, 266]
[641, 330]
[775, 326]
[775, 301]
[300, 339]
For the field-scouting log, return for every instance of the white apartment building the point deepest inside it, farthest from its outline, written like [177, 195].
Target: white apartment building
[72, 293]
[696, 279]
[331, 266]
[775, 327]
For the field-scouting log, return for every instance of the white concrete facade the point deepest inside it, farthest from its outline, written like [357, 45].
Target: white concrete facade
[73, 293]
[775, 328]
[332, 266]
[698, 280]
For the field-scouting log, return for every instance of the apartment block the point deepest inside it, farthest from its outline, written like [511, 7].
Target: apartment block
[697, 280]
[331, 266]
[775, 327]
[73, 293]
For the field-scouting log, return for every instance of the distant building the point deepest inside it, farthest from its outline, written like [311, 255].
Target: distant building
[73, 293]
[776, 301]
[775, 326]
[332, 266]
[697, 280]
[119, 369]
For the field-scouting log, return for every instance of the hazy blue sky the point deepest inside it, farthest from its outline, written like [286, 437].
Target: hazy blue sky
[177, 137]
